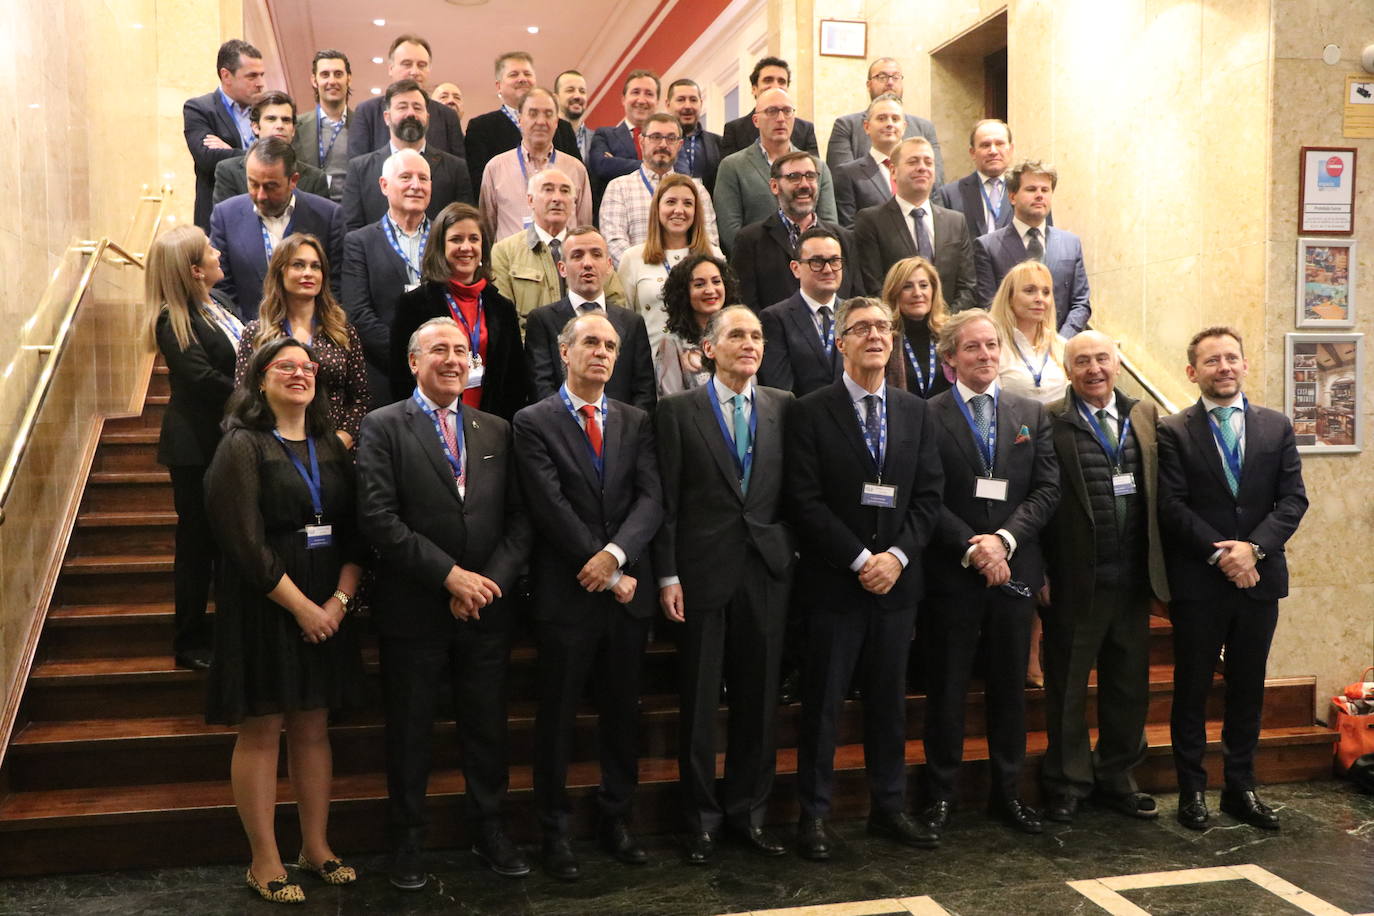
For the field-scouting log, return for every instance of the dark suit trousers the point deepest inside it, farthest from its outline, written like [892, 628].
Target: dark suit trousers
[1113, 633]
[875, 642]
[194, 559]
[1201, 628]
[955, 624]
[613, 648]
[472, 663]
[744, 639]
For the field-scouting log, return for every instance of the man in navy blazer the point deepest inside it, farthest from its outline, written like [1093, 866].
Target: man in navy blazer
[1230, 496]
[245, 228]
[850, 141]
[408, 59]
[1030, 235]
[216, 125]
[616, 150]
[768, 73]
[491, 134]
[590, 476]
[700, 154]
[867, 180]
[982, 194]
[801, 355]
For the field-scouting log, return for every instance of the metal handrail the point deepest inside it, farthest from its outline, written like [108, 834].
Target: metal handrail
[98, 251]
[1168, 406]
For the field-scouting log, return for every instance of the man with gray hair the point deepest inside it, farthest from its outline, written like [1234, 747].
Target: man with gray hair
[450, 546]
[849, 140]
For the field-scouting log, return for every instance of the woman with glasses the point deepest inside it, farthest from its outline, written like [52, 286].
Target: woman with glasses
[196, 333]
[696, 289]
[912, 291]
[298, 303]
[281, 492]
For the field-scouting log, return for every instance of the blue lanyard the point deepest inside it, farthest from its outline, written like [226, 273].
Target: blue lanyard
[987, 448]
[245, 139]
[266, 239]
[1114, 455]
[311, 477]
[232, 326]
[691, 151]
[995, 211]
[598, 461]
[876, 450]
[286, 328]
[520, 155]
[393, 235]
[828, 340]
[510, 113]
[1034, 373]
[743, 468]
[645, 178]
[924, 381]
[474, 334]
[1233, 457]
[319, 123]
[454, 461]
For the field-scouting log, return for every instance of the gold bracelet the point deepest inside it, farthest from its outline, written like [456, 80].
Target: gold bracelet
[344, 598]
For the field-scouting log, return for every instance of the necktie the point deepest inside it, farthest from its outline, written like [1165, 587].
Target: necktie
[892, 182]
[587, 308]
[639, 148]
[741, 437]
[556, 249]
[995, 196]
[982, 415]
[451, 440]
[873, 427]
[1228, 440]
[1035, 248]
[588, 412]
[1109, 430]
[827, 328]
[923, 246]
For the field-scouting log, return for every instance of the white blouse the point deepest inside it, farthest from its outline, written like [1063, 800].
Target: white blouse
[1021, 363]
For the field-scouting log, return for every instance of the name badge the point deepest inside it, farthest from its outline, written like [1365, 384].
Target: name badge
[527, 222]
[476, 372]
[993, 488]
[317, 536]
[881, 495]
[1123, 484]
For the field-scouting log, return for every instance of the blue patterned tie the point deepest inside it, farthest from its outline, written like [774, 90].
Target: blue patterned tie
[1228, 441]
[982, 415]
[873, 427]
[923, 246]
[741, 439]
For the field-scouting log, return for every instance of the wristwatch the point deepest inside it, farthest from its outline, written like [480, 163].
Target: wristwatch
[344, 598]
[1259, 551]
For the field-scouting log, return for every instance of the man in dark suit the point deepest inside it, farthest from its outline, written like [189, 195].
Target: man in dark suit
[723, 559]
[1105, 563]
[493, 133]
[405, 116]
[700, 154]
[273, 115]
[768, 73]
[910, 224]
[590, 475]
[216, 124]
[801, 330]
[1029, 235]
[247, 228]
[981, 195]
[617, 150]
[439, 501]
[763, 252]
[983, 566]
[848, 138]
[408, 59]
[585, 265]
[382, 260]
[864, 483]
[866, 181]
[322, 135]
[1230, 496]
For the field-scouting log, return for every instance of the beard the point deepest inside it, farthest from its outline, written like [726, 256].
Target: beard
[410, 129]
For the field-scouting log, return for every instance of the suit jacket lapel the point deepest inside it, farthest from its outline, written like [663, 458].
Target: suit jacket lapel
[1201, 430]
[973, 200]
[422, 428]
[875, 176]
[1008, 425]
[768, 441]
[705, 419]
[757, 160]
[1066, 432]
[897, 226]
[779, 234]
[957, 427]
[800, 316]
[842, 409]
[575, 439]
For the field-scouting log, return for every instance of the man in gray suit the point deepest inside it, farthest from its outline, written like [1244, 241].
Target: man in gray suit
[273, 115]
[848, 141]
[743, 194]
[322, 134]
[867, 181]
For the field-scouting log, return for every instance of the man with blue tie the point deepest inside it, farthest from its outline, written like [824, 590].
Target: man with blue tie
[217, 124]
[1230, 496]
[981, 195]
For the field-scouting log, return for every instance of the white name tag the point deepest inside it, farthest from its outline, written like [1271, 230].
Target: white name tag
[882, 495]
[1123, 484]
[318, 536]
[476, 372]
[993, 488]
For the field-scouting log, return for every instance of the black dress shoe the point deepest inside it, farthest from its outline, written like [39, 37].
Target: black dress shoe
[619, 842]
[759, 840]
[1062, 808]
[196, 659]
[559, 860]
[700, 848]
[1132, 804]
[407, 868]
[1016, 814]
[1245, 805]
[903, 828]
[936, 815]
[789, 690]
[812, 843]
[1192, 810]
[499, 854]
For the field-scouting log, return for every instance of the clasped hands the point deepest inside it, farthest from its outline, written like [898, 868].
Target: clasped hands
[1237, 563]
[596, 574]
[880, 573]
[469, 592]
[989, 559]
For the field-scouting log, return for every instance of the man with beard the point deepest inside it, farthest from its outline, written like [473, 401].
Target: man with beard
[868, 180]
[571, 89]
[273, 115]
[848, 138]
[406, 116]
[700, 153]
[322, 134]
[408, 59]
[491, 134]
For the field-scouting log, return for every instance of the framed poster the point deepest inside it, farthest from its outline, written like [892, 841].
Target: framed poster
[1326, 283]
[1324, 391]
[844, 38]
[1326, 191]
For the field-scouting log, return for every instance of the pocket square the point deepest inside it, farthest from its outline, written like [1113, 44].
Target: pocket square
[1022, 436]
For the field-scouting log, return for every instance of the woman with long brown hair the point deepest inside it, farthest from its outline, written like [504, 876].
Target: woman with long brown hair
[697, 288]
[912, 290]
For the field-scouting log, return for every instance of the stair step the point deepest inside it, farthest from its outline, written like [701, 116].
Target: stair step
[128, 491]
[106, 631]
[133, 449]
[154, 406]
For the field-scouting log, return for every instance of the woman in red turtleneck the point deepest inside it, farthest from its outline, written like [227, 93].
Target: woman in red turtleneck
[457, 285]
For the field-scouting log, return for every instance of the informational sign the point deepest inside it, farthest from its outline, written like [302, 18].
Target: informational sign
[1326, 191]
[1359, 108]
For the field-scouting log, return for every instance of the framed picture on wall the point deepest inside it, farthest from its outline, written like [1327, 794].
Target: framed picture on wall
[844, 38]
[1326, 283]
[1326, 190]
[1323, 391]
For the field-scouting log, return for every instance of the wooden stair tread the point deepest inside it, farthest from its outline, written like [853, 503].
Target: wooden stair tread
[75, 614]
[111, 478]
[118, 563]
[130, 436]
[126, 519]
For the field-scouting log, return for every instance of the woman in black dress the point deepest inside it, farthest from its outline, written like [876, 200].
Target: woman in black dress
[196, 333]
[282, 494]
[298, 303]
[458, 285]
[912, 291]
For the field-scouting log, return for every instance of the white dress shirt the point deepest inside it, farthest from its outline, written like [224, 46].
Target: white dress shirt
[450, 420]
[929, 220]
[815, 306]
[857, 393]
[967, 394]
[276, 225]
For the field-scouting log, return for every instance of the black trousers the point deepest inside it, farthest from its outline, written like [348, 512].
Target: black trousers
[611, 653]
[743, 639]
[955, 625]
[875, 642]
[472, 664]
[1201, 629]
[1112, 632]
[193, 564]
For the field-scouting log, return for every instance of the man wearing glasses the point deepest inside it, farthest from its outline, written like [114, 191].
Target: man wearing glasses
[864, 480]
[801, 330]
[743, 192]
[848, 138]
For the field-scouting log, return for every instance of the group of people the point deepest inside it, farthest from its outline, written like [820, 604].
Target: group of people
[799, 460]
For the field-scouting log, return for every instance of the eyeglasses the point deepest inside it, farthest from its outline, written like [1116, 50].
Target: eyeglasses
[795, 177]
[289, 367]
[887, 77]
[662, 138]
[864, 328]
[773, 111]
[819, 264]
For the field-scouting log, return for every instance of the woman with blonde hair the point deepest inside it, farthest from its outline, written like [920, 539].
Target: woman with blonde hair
[1032, 351]
[196, 332]
[298, 303]
[677, 230]
[912, 290]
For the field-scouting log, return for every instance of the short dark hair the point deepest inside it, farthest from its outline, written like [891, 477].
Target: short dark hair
[536, 90]
[248, 408]
[769, 62]
[684, 81]
[815, 232]
[399, 88]
[677, 292]
[330, 54]
[641, 74]
[409, 38]
[664, 117]
[231, 54]
[775, 170]
[559, 78]
[271, 150]
[270, 97]
[1216, 330]
[584, 229]
[435, 266]
[1031, 167]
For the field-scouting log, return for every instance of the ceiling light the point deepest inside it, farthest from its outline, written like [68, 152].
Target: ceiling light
[533, 30]
[35, 105]
[376, 60]
[135, 25]
[379, 22]
[376, 90]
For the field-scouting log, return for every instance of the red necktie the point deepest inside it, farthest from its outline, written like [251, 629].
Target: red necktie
[639, 149]
[892, 182]
[593, 430]
[451, 440]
